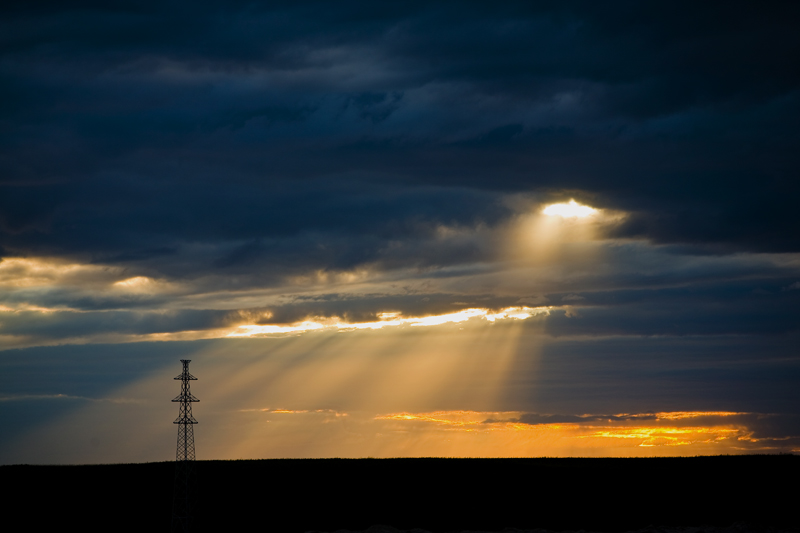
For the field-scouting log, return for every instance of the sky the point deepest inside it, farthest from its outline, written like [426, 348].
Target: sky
[462, 229]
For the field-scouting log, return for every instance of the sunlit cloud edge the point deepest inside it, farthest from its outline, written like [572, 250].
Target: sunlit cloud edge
[390, 319]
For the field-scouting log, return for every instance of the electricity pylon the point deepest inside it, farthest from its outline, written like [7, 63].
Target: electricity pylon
[184, 456]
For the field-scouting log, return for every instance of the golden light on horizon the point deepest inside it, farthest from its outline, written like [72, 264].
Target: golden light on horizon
[571, 209]
[669, 435]
[680, 415]
[459, 419]
[504, 434]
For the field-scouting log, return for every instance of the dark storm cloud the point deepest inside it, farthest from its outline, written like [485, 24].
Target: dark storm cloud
[131, 130]
[280, 227]
[234, 146]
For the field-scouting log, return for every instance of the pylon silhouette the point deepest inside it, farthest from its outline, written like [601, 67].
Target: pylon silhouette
[184, 456]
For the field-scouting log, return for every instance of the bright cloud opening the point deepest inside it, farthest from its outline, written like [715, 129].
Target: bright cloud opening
[572, 209]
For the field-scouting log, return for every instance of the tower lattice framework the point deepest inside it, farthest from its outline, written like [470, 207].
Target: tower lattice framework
[184, 456]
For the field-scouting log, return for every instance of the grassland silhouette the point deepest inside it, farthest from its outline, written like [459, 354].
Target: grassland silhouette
[437, 495]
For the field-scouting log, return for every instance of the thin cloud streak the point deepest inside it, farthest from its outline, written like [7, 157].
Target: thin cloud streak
[392, 319]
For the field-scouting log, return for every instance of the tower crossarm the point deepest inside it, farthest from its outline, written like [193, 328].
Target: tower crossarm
[185, 397]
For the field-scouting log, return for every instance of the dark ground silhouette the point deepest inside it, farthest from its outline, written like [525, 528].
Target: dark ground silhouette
[439, 495]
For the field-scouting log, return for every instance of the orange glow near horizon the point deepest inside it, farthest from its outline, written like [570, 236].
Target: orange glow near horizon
[467, 433]
[626, 437]
[680, 415]
[459, 419]
[669, 436]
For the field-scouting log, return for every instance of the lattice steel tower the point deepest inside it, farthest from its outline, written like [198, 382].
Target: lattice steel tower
[184, 457]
